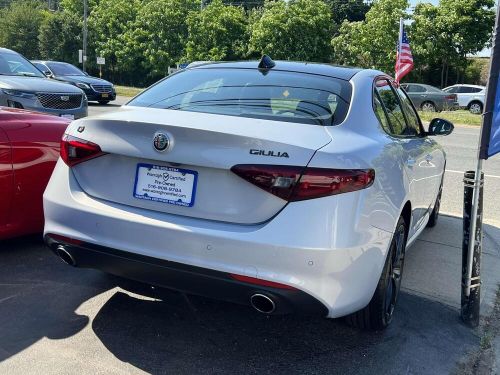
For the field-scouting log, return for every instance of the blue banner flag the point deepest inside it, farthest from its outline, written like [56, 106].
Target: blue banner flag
[490, 130]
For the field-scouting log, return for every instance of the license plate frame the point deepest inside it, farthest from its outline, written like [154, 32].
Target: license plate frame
[165, 189]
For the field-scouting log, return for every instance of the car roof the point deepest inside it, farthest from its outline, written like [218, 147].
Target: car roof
[466, 85]
[329, 70]
[6, 50]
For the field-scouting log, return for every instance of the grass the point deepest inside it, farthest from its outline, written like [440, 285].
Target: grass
[461, 117]
[127, 91]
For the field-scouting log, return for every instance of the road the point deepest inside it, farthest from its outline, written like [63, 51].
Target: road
[59, 320]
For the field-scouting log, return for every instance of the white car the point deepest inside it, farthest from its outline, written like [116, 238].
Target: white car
[285, 186]
[471, 97]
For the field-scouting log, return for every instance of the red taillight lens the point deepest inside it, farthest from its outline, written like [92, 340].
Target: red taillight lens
[299, 183]
[75, 150]
[255, 281]
[451, 97]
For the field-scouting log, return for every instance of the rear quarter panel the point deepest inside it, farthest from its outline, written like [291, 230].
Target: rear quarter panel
[35, 142]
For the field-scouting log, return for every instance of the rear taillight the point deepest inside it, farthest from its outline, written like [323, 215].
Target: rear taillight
[451, 97]
[299, 183]
[75, 150]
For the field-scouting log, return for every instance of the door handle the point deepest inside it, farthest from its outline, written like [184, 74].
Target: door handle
[423, 96]
[410, 163]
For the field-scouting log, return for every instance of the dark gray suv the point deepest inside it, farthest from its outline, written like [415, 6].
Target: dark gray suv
[22, 85]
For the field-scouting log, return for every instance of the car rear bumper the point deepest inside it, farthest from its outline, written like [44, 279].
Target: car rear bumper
[98, 97]
[324, 247]
[183, 278]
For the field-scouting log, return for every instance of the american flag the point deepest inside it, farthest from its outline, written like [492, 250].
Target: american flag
[404, 58]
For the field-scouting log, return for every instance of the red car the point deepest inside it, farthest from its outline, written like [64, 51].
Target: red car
[29, 149]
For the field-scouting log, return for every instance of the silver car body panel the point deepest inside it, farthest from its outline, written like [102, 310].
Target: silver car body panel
[333, 248]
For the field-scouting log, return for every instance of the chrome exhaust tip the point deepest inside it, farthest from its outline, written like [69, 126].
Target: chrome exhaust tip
[262, 303]
[65, 256]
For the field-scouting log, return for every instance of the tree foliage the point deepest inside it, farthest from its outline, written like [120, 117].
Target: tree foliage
[371, 43]
[59, 37]
[348, 10]
[443, 36]
[159, 34]
[218, 32]
[19, 26]
[294, 30]
[108, 24]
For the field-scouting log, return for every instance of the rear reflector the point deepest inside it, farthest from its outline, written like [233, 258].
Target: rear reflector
[59, 238]
[299, 183]
[255, 281]
[75, 150]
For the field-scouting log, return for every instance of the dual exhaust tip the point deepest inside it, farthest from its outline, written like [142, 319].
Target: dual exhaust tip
[65, 255]
[260, 302]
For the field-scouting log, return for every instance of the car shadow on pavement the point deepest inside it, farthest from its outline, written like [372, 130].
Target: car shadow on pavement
[187, 335]
[39, 295]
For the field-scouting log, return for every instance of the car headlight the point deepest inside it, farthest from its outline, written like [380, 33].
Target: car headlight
[20, 94]
[82, 85]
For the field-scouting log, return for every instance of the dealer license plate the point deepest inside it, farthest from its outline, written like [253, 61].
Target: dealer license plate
[165, 184]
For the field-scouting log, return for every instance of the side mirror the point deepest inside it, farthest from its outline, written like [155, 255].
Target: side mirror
[47, 74]
[439, 126]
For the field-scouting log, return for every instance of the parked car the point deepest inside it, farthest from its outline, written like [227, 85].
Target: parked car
[430, 98]
[471, 97]
[24, 86]
[272, 184]
[96, 89]
[29, 149]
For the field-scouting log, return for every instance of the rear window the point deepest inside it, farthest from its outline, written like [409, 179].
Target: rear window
[273, 95]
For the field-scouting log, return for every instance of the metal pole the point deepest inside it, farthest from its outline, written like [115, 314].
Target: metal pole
[471, 247]
[84, 34]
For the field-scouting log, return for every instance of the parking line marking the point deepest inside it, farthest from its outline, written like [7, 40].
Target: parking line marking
[462, 172]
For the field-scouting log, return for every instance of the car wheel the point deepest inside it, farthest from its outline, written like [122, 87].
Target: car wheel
[103, 102]
[428, 107]
[435, 212]
[476, 108]
[379, 312]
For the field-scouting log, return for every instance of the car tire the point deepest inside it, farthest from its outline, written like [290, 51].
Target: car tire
[379, 312]
[103, 102]
[428, 107]
[475, 108]
[435, 212]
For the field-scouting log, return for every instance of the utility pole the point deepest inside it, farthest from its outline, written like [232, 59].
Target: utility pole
[84, 34]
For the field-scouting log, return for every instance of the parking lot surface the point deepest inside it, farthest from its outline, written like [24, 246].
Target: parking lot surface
[59, 320]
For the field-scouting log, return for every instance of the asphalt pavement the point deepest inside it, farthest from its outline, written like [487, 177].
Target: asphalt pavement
[55, 319]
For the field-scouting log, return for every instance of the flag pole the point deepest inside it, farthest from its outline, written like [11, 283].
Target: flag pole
[471, 269]
[398, 49]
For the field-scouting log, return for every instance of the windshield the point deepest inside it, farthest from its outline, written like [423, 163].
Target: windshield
[273, 95]
[64, 69]
[13, 64]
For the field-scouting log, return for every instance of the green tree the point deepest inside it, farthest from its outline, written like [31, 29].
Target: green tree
[446, 34]
[371, 43]
[159, 34]
[19, 25]
[348, 10]
[294, 30]
[109, 22]
[65, 46]
[218, 32]
[76, 6]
